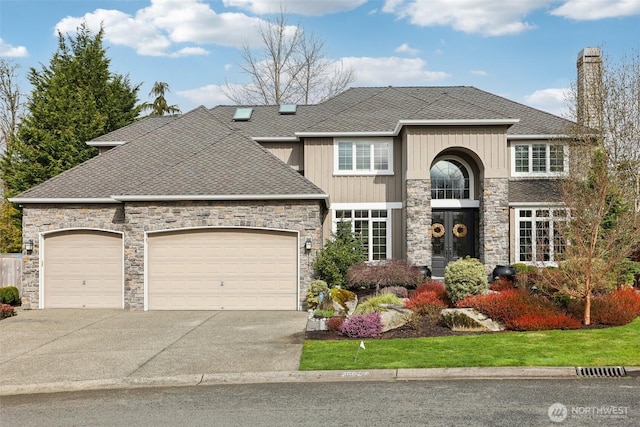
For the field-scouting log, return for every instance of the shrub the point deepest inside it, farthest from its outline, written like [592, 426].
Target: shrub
[324, 313]
[433, 286]
[465, 277]
[390, 272]
[501, 284]
[543, 321]
[626, 272]
[615, 309]
[374, 303]
[399, 291]
[518, 310]
[334, 260]
[6, 310]
[426, 303]
[524, 268]
[335, 323]
[362, 326]
[313, 293]
[9, 295]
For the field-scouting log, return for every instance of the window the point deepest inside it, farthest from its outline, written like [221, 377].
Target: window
[538, 159]
[364, 157]
[372, 226]
[538, 236]
[449, 180]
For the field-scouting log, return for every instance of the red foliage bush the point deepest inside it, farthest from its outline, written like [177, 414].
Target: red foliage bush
[335, 323]
[6, 310]
[435, 287]
[543, 321]
[518, 310]
[615, 309]
[426, 303]
[501, 284]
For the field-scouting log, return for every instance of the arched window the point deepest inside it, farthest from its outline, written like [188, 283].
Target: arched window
[449, 180]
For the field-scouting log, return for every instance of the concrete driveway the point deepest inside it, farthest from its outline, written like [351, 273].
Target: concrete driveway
[53, 346]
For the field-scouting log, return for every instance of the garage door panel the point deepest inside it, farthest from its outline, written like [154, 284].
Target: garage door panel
[222, 269]
[83, 269]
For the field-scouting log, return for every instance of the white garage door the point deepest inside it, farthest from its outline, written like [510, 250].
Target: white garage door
[222, 269]
[83, 269]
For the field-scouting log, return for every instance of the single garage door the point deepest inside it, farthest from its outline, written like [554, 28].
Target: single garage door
[222, 269]
[83, 269]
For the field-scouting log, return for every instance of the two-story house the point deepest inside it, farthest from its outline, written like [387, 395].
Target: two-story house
[226, 208]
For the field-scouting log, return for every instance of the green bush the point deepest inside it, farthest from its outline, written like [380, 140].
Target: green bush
[465, 277]
[10, 295]
[626, 272]
[524, 268]
[374, 303]
[313, 293]
[334, 260]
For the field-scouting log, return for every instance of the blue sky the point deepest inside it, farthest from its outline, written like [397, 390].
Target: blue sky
[524, 50]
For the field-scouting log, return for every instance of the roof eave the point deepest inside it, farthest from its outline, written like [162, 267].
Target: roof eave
[540, 136]
[52, 200]
[105, 143]
[187, 197]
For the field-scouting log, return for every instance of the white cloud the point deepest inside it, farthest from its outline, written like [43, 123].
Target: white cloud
[404, 48]
[479, 73]
[392, 71]
[301, 7]
[552, 100]
[488, 17]
[597, 9]
[155, 29]
[12, 51]
[209, 96]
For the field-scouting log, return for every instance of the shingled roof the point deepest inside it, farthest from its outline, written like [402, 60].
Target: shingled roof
[193, 156]
[380, 109]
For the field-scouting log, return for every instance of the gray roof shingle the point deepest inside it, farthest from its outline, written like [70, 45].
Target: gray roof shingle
[534, 191]
[193, 155]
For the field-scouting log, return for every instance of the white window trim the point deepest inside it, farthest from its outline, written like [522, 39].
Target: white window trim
[368, 206]
[517, 211]
[353, 141]
[471, 202]
[512, 150]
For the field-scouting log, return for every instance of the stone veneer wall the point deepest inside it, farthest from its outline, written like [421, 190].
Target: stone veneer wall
[494, 223]
[42, 218]
[134, 219]
[418, 221]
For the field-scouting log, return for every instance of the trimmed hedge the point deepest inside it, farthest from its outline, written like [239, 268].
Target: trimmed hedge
[10, 295]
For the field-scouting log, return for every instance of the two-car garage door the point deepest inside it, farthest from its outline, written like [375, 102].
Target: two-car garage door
[222, 269]
[201, 269]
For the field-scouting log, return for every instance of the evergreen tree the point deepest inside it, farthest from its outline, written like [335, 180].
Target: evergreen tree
[74, 99]
[159, 106]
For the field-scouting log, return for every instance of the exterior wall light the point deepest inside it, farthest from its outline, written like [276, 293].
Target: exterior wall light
[28, 246]
[307, 244]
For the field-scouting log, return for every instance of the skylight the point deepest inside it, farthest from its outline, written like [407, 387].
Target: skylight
[242, 114]
[287, 109]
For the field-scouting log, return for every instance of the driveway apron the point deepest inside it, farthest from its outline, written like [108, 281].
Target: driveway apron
[44, 346]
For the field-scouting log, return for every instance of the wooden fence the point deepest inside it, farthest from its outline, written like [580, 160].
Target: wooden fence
[11, 270]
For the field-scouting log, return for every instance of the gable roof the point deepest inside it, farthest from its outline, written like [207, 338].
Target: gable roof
[384, 109]
[193, 157]
[132, 131]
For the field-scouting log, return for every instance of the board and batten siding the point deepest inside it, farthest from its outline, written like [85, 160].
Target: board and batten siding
[318, 168]
[487, 143]
[292, 153]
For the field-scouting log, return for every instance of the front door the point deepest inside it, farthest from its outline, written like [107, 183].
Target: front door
[452, 236]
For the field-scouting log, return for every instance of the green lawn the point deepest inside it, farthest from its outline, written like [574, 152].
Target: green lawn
[594, 347]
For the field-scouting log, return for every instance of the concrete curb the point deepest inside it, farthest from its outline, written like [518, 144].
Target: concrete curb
[514, 372]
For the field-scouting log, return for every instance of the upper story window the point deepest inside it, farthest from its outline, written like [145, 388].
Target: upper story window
[538, 159]
[450, 180]
[363, 157]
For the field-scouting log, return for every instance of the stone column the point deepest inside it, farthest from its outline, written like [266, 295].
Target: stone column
[418, 221]
[494, 223]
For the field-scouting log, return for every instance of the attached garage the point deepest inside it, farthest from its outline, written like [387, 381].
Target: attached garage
[222, 269]
[83, 269]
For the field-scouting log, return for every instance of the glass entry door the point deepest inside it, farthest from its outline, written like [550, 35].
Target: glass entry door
[452, 237]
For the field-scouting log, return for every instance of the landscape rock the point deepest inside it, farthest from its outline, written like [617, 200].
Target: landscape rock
[469, 319]
[394, 317]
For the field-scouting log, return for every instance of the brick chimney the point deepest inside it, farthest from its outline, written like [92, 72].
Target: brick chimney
[589, 87]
